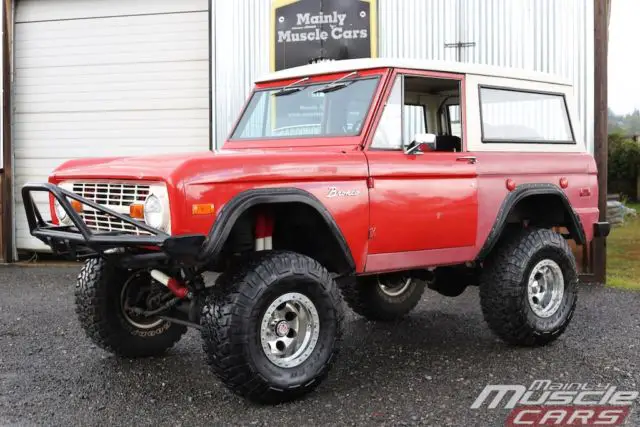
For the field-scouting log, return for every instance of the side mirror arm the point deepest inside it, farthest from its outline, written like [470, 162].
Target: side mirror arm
[415, 149]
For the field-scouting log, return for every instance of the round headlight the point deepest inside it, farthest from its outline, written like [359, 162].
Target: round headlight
[60, 213]
[154, 212]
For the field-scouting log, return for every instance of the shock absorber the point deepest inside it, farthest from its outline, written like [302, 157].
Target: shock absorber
[174, 285]
[264, 232]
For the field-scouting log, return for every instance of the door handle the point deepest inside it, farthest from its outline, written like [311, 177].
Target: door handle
[468, 159]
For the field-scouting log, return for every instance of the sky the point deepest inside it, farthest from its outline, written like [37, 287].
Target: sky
[624, 56]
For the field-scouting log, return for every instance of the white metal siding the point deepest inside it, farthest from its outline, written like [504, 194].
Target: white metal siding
[241, 46]
[104, 78]
[539, 35]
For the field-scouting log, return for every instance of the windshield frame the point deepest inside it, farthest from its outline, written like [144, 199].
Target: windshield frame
[317, 140]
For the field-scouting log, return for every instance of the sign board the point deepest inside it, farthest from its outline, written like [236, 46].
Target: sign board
[306, 31]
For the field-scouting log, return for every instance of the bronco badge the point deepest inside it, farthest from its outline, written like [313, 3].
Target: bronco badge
[334, 192]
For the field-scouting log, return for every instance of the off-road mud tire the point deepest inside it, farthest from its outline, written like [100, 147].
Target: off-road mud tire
[97, 301]
[231, 321]
[504, 281]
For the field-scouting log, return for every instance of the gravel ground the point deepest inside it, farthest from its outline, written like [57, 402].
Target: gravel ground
[426, 369]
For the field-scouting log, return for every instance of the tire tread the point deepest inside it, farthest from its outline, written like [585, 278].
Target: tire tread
[223, 344]
[91, 302]
[502, 280]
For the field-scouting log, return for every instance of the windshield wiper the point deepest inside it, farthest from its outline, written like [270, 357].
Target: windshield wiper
[289, 89]
[337, 84]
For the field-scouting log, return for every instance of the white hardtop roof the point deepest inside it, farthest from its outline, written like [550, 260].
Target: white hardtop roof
[414, 64]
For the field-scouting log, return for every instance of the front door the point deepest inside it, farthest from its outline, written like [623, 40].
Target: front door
[423, 205]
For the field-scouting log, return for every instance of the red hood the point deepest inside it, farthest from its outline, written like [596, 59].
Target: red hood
[157, 168]
[224, 166]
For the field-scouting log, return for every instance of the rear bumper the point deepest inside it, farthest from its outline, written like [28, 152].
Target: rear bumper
[601, 229]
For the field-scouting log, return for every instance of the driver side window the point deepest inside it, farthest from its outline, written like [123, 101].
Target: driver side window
[419, 105]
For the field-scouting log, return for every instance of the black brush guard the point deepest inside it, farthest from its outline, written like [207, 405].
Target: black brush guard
[77, 240]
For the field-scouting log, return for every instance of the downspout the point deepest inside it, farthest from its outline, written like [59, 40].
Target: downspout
[6, 234]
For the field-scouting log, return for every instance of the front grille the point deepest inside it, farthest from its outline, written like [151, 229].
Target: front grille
[115, 196]
[99, 221]
[112, 194]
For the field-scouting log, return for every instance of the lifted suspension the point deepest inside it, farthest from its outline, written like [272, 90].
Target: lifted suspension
[175, 286]
[264, 232]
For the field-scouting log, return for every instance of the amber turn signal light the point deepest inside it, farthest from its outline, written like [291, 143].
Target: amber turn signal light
[203, 209]
[136, 211]
[76, 205]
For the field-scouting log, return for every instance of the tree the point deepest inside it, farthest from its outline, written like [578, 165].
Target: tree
[628, 124]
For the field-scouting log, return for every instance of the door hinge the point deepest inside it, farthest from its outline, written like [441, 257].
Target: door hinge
[370, 182]
[372, 232]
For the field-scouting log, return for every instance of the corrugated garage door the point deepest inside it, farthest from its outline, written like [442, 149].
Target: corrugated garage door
[103, 78]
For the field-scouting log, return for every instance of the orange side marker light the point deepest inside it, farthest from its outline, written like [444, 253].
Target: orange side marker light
[202, 209]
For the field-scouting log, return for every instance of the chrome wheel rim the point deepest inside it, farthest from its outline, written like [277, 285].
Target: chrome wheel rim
[135, 320]
[289, 330]
[398, 289]
[546, 288]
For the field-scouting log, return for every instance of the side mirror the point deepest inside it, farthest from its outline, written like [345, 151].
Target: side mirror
[419, 142]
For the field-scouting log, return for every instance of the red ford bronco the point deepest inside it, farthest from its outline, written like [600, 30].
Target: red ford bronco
[363, 180]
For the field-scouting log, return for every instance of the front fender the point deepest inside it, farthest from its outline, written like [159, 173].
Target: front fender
[243, 201]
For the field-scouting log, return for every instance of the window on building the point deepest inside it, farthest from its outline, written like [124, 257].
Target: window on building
[518, 116]
[455, 120]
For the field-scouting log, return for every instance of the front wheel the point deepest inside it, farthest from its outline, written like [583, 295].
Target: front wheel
[106, 301]
[528, 288]
[272, 330]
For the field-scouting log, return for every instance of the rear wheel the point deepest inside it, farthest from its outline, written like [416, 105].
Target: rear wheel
[271, 332]
[383, 297]
[528, 288]
[109, 302]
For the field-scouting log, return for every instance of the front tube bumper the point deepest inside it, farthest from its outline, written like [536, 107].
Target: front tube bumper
[78, 239]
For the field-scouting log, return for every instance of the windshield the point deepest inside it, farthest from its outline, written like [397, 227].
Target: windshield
[310, 110]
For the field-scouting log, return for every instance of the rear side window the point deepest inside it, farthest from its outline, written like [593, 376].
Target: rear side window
[509, 115]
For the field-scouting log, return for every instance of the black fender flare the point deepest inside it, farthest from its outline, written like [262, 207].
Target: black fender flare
[511, 200]
[239, 204]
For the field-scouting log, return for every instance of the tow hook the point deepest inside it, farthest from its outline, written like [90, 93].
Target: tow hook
[177, 288]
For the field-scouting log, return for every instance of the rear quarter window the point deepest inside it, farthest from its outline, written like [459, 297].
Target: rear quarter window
[512, 115]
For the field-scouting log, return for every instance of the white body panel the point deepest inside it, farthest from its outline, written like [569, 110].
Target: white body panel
[473, 127]
[413, 64]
